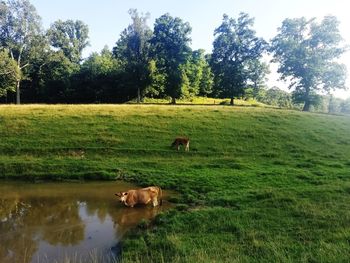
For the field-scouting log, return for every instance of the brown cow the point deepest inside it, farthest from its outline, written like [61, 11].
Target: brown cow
[181, 141]
[141, 196]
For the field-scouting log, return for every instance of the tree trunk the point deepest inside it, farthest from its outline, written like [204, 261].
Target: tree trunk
[232, 102]
[173, 100]
[330, 102]
[307, 105]
[138, 95]
[18, 95]
[255, 92]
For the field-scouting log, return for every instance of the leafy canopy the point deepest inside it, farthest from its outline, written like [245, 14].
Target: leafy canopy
[307, 53]
[234, 49]
[171, 50]
[20, 33]
[71, 37]
[133, 49]
[9, 73]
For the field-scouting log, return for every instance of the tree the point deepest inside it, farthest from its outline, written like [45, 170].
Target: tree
[235, 47]
[71, 37]
[171, 51]
[275, 97]
[345, 106]
[99, 79]
[199, 74]
[306, 52]
[334, 104]
[207, 80]
[133, 48]
[9, 73]
[20, 28]
[55, 78]
[156, 88]
[258, 72]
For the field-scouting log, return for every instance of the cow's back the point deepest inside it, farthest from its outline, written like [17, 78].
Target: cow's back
[143, 196]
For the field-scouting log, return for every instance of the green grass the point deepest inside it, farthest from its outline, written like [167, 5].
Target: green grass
[203, 101]
[258, 185]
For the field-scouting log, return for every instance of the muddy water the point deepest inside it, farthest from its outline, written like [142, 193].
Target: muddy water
[58, 222]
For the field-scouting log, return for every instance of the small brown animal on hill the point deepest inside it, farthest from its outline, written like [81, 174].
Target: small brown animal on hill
[184, 141]
[141, 196]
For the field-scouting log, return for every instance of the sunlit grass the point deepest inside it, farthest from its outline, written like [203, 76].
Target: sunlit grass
[203, 101]
[258, 185]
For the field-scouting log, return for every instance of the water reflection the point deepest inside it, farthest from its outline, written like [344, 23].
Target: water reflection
[46, 222]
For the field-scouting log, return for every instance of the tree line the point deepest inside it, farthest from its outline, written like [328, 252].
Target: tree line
[46, 66]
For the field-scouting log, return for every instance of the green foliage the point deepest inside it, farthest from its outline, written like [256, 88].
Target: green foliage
[275, 97]
[186, 89]
[55, 78]
[69, 36]
[332, 105]
[235, 50]
[306, 52]
[101, 64]
[207, 81]
[157, 86]
[133, 49]
[314, 99]
[161, 64]
[259, 71]
[199, 74]
[170, 45]
[345, 106]
[9, 73]
[20, 26]
[97, 80]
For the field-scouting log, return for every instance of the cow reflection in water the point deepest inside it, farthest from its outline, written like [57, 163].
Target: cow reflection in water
[129, 217]
[123, 218]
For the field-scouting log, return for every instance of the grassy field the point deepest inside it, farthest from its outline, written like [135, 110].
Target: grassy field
[258, 185]
[203, 101]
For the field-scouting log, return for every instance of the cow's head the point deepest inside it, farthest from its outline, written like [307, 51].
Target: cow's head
[122, 196]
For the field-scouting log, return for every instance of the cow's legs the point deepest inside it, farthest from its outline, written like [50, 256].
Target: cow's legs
[155, 201]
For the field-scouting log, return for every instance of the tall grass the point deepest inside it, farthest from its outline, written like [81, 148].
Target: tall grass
[92, 256]
[258, 185]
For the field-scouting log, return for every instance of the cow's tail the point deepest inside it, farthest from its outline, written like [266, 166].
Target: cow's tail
[160, 195]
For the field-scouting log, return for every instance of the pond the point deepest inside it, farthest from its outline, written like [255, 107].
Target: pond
[58, 222]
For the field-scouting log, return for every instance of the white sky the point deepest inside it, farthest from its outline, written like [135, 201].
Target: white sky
[107, 18]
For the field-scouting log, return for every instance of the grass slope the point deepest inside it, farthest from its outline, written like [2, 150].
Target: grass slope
[259, 184]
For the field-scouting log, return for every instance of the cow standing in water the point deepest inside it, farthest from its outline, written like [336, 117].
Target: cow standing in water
[141, 196]
[184, 141]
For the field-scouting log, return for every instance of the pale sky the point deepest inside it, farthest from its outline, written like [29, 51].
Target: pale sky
[107, 18]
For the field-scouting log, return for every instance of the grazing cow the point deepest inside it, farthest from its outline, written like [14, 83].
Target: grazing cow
[184, 141]
[141, 196]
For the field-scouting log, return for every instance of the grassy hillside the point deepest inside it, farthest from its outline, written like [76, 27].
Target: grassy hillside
[258, 185]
